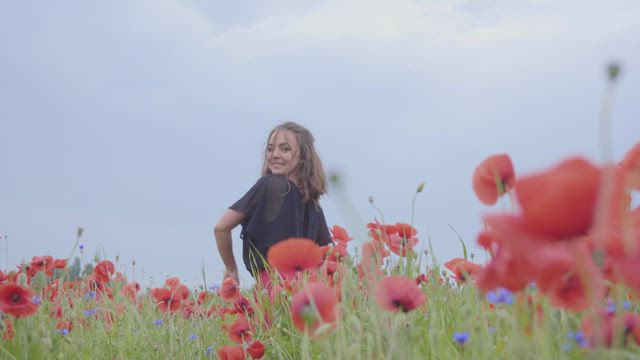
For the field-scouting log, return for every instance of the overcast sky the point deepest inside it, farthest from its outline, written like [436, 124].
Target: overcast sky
[143, 120]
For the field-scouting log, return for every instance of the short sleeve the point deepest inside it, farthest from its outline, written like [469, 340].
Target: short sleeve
[324, 237]
[266, 195]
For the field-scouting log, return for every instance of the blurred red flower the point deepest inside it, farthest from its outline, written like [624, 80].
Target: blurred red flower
[406, 230]
[103, 271]
[295, 254]
[16, 300]
[240, 330]
[340, 234]
[41, 263]
[560, 202]
[256, 350]
[314, 305]
[493, 178]
[166, 299]
[396, 292]
[229, 290]
[462, 268]
[400, 245]
[60, 263]
[130, 291]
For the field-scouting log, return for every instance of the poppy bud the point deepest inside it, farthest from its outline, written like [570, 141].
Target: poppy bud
[79, 232]
[420, 187]
[371, 199]
[614, 70]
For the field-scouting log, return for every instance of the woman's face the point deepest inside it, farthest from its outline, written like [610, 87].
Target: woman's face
[283, 153]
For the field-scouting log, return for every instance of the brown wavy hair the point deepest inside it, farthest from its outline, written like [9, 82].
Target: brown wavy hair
[309, 172]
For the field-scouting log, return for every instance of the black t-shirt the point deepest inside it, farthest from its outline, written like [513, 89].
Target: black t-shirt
[274, 212]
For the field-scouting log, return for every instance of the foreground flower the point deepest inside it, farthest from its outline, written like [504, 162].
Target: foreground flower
[560, 202]
[16, 300]
[229, 290]
[256, 350]
[493, 178]
[240, 331]
[294, 255]
[398, 293]
[313, 306]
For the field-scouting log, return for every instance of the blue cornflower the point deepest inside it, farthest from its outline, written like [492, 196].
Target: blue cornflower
[461, 337]
[158, 322]
[626, 304]
[37, 300]
[208, 351]
[90, 312]
[500, 296]
[193, 337]
[81, 247]
[491, 330]
[64, 331]
[90, 295]
[611, 307]
[581, 339]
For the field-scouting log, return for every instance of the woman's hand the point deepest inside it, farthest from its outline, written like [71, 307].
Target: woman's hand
[232, 274]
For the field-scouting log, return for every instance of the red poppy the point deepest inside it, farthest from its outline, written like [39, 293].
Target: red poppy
[130, 290]
[395, 293]
[493, 178]
[172, 282]
[166, 299]
[400, 245]
[405, 230]
[519, 255]
[294, 255]
[631, 166]
[337, 252]
[231, 353]
[229, 290]
[204, 296]
[240, 331]
[256, 350]
[17, 300]
[314, 305]
[486, 240]
[103, 271]
[340, 235]
[242, 306]
[60, 263]
[574, 285]
[462, 269]
[41, 263]
[560, 202]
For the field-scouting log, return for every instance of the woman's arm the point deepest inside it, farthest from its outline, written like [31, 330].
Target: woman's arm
[222, 232]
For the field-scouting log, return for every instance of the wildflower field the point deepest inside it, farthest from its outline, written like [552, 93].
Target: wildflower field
[562, 282]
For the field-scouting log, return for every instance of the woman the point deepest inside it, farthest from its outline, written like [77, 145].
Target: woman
[282, 204]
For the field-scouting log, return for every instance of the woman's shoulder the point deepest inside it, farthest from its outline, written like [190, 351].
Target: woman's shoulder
[274, 183]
